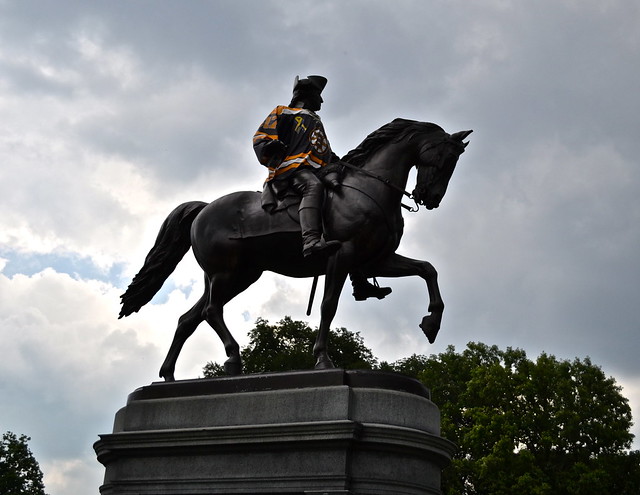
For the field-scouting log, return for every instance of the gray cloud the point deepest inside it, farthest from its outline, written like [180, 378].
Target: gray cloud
[113, 113]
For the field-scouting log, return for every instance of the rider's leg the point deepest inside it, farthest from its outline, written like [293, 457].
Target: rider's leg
[362, 289]
[309, 186]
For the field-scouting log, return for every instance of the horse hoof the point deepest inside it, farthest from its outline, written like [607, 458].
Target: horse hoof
[430, 326]
[324, 364]
[168, 377]
[233, 368]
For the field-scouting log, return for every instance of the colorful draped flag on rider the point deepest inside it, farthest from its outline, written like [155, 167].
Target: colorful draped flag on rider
[301, 131]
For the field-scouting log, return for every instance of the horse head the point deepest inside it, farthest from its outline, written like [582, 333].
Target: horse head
[436, 163]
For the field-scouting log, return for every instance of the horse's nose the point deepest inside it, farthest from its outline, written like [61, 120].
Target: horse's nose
[432, 201]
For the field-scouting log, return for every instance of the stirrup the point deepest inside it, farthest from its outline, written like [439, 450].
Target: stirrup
[364, 290]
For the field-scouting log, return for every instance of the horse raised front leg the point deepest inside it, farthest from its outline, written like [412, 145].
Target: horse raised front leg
[399, 266]
[336, 275]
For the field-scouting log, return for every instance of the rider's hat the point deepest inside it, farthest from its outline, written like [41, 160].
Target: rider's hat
[312, 84]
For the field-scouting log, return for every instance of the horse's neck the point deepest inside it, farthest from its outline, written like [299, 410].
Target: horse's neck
[391, 163]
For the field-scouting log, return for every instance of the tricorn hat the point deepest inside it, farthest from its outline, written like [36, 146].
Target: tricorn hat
[311, 84]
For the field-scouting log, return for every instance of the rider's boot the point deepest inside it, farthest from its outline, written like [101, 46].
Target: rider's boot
[313, 243]
[362, 289]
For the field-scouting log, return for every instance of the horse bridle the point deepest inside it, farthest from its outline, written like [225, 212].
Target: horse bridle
[386, 182]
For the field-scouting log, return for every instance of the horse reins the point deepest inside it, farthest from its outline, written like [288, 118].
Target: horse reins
[386, 182]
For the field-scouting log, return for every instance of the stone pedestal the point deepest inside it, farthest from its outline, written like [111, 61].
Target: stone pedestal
[317, 432]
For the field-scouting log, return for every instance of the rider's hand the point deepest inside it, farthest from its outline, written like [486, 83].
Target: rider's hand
[331, 181]
[275, 149]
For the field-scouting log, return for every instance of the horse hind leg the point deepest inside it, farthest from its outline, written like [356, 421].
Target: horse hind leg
[223, 288]
[214, 316]
[187, 324]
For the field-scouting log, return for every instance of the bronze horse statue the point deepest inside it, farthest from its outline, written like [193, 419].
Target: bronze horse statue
[364, 214]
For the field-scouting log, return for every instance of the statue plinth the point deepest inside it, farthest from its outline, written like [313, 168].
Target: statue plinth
[312, 432]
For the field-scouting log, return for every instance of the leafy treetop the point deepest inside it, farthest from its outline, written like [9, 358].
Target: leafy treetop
[288, 345]
[19, 471]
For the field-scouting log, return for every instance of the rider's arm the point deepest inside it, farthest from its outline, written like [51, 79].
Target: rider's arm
[266, 136]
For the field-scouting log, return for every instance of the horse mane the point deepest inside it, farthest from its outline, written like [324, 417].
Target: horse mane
[394, 131]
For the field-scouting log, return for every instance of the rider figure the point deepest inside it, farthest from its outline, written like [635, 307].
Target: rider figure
[292, 144]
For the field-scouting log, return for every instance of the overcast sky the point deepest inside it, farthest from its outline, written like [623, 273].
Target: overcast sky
[113, 113]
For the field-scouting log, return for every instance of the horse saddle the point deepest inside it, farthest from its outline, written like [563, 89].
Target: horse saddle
[275, 209]
[265, 214]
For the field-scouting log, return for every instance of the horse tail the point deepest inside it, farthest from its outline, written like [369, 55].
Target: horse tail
[172, 243]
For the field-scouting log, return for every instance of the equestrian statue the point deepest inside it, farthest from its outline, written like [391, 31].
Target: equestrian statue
[317, 215]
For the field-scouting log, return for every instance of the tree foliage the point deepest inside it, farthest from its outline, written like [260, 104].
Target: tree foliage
[19, 471]
[288, 345]
[547, 426]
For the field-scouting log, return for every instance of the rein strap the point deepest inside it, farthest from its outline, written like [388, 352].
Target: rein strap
[386, 182]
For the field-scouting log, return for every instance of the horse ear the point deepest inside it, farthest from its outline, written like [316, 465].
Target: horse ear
[459, 136]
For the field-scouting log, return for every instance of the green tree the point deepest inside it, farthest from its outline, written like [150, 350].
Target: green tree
[529, 427]
[19, 471]
[288, 345]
